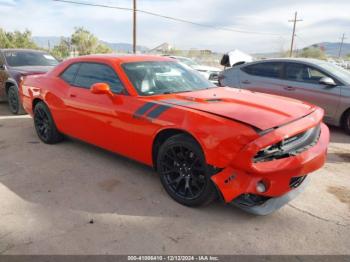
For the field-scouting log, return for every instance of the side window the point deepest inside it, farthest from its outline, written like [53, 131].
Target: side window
[303, 73]
[69, 74]
[267, 69]
[91, 73]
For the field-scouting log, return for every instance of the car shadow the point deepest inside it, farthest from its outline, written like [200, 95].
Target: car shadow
[78, 176]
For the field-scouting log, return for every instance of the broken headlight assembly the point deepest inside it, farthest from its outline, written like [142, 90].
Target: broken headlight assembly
[290, 146]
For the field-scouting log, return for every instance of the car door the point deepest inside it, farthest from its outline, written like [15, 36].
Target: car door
[91, 117]
[263, 77]
[105, 120]
[302, 82]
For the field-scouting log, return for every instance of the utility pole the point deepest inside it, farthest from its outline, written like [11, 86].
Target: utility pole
[294, 21]
[134, 28]
[341, 45]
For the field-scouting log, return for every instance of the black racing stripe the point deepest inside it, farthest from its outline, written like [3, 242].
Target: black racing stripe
[143, 109]
[156, 112]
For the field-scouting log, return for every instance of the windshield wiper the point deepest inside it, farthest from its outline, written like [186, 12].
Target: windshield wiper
[169, 92]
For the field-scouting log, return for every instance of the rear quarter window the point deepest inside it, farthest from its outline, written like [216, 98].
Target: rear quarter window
[69, 74]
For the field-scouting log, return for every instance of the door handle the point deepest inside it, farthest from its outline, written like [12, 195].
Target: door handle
[289, 88]
[246, 82]
[73, 95]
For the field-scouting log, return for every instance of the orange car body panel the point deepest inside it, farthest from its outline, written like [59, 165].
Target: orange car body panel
[224, 121]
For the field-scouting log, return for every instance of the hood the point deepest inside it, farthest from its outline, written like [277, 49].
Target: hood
[28, 70]
[206, 68]
[262, 111]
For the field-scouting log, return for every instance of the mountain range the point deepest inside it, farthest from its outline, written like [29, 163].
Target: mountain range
[51, 41]
[331, 49]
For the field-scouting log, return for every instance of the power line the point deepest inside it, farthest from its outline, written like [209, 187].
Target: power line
[134, 27]
[295, 20]
[169, 18]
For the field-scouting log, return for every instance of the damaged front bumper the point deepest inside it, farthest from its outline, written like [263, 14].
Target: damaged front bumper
[270, 205]
[273, 181]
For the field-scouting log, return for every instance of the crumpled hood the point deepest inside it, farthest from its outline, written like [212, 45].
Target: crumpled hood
[28, 70]
[260, 110]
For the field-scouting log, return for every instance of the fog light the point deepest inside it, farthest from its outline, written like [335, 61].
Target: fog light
[260, 187]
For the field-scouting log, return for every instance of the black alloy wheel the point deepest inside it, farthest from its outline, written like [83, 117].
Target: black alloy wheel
[184, 172]
[44, 124]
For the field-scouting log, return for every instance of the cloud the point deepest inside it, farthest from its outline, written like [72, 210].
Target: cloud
[322, 21]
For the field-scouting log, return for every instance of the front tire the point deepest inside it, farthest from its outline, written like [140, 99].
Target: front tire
[44, 125]
[346, 122]
[14, 102]
[184, 172]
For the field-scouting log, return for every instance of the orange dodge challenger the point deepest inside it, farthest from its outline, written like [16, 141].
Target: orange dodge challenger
[250, 149]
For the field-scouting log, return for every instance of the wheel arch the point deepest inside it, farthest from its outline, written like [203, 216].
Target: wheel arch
[8, 84]
[165, 134]
[35, 101]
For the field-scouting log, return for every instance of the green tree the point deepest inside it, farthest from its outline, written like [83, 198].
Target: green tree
[313, 52]
[86, 43]
[17, 39]
[62, 50]
[4, 41]
[103, 49]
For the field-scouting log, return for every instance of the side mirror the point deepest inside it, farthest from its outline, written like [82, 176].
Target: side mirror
[327, 81]
[101, 88]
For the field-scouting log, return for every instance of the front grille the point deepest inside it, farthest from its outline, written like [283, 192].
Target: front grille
[296, 181]
[250, 200]
[290, 147]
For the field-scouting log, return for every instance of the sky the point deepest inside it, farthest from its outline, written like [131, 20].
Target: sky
[266, 20]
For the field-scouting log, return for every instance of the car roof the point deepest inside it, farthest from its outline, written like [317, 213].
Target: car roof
[292, 59]
[122, 58]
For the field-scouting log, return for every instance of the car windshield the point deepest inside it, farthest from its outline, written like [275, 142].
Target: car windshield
[27, 58]
[187, 61]
[164, 77]
[339, 72]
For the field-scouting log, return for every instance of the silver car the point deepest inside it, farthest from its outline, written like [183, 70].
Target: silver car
[315, 81]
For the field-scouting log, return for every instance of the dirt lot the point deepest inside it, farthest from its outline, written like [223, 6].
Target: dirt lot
[73, 198]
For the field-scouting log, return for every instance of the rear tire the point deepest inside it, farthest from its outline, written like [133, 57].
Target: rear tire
[184, 172]
[15, 105]
[45, 126]
[346, 122]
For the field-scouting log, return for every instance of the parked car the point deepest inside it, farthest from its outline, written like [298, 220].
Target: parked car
[253, 150]
[315, 81]
[16, 63]
[209, 72]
